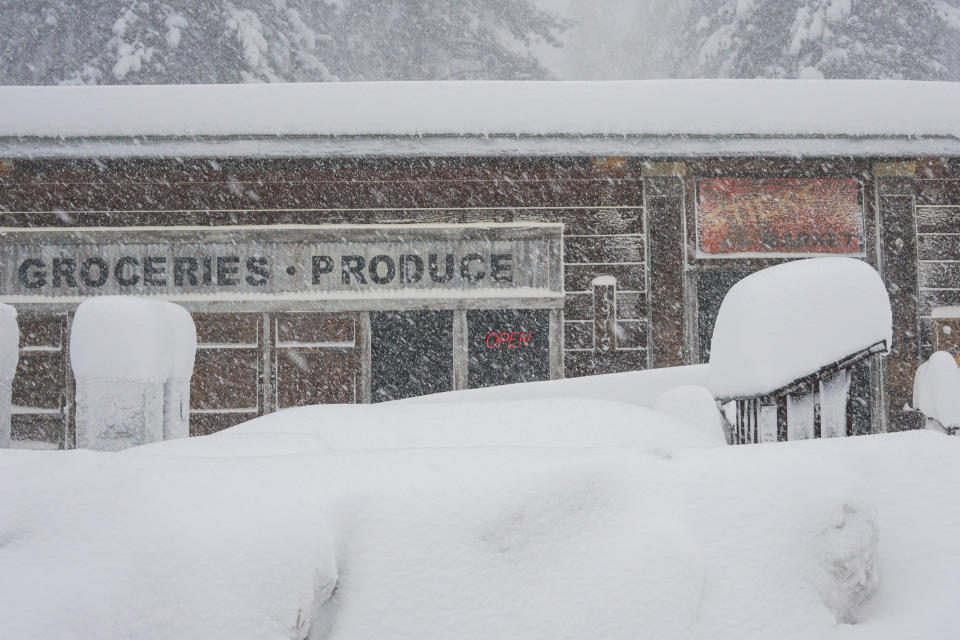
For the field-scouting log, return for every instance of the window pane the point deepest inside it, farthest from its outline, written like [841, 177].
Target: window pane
[508, 346]
[411, 353]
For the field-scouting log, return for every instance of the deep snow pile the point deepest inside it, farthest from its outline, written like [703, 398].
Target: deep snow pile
[936, 389]
[786, 322]
[260, 535]
[132, 358]
[642, 388]
[542, 422]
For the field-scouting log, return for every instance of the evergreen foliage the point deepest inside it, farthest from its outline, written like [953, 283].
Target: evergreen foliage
[219, 41]
[896, 39]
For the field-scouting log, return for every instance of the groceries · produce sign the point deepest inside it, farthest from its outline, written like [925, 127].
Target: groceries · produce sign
[779, 216]
[335, 261]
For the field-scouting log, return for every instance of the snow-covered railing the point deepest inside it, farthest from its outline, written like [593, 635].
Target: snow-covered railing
[785, 341]
[815, 404]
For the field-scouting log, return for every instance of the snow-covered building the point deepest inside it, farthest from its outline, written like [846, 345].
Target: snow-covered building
[360, 242]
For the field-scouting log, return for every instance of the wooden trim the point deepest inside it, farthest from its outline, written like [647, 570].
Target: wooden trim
[365, 358]
[461, 353]
[556, 344]
[267, 378]
[69, 404]
[895, 169]
[49, 304]
[663, 170]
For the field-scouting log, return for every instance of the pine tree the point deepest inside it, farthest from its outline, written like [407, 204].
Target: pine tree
[904, 39]
[441, 39]
[174, 41]
[217, 41]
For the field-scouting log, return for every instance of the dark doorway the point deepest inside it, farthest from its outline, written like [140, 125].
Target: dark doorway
[411, 353]
[712, 286]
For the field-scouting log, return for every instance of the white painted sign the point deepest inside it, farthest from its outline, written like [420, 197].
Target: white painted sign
[460, 259]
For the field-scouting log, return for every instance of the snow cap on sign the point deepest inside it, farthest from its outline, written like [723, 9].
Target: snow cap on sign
[129, 338]
[786, 322]
[9, 342]
[182, 332]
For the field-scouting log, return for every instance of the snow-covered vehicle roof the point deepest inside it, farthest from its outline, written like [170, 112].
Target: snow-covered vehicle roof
[652, 117]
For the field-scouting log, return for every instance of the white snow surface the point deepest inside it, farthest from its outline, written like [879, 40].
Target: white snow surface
[641, 388]
[936, 389]
[132, 338]
[9, 342]
[712, 542]
[787, 321]
[694, 405]
[488, 108]
[574, 422]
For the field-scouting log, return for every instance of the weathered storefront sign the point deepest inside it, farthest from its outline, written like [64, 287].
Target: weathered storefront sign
[360, 260]
[737, 216]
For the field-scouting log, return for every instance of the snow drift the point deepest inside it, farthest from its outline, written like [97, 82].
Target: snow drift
[786, 322]
[705, 542]
[572, 422]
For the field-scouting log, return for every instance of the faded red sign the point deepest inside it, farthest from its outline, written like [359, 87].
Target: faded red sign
[780, 216]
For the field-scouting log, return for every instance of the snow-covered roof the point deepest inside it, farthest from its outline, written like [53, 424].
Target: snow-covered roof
[678, 117]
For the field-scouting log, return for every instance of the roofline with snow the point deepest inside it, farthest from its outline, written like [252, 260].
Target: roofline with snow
[413, 146]
[486, 118]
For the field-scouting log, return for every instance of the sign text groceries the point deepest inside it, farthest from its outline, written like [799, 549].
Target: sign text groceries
[257, 271]
[308, 260]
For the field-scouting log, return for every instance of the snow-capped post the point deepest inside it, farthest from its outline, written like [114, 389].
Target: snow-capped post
[935, 392]
[604, 313]
[124, 350]
[9, 356]
[785, 340]
[176, 394]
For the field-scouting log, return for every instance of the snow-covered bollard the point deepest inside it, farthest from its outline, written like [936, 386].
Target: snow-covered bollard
[9, 356]
[123, 353]
[936, 392]
[183, 348]
[785, 340]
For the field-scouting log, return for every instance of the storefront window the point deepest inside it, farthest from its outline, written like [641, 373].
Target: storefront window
[508, 346]
[411, 353]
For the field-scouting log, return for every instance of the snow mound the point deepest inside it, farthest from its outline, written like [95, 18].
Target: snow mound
[550, 422]
[715, 543]
[633, 387]
[228, 444]
[936, 389]
[786, 322]
[696, 407]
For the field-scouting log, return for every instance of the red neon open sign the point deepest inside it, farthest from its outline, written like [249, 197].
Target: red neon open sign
[509, 340]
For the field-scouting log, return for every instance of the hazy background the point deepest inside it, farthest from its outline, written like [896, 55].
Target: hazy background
[189, 41]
